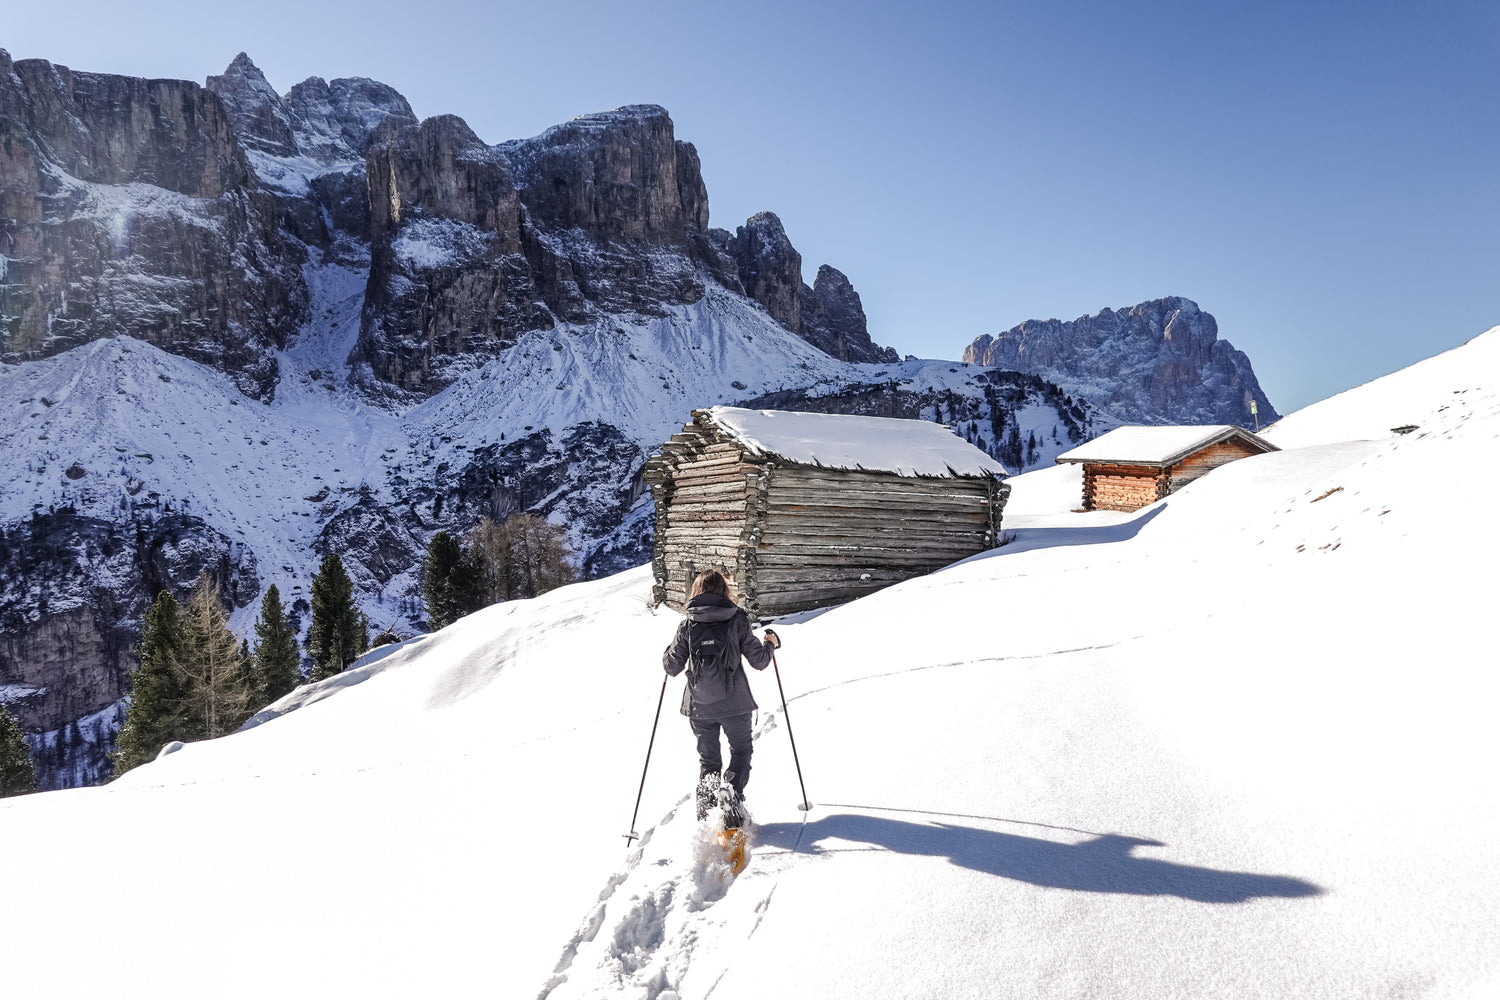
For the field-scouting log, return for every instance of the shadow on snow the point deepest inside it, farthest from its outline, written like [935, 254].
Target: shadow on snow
[1098, 534]
[1103, 864]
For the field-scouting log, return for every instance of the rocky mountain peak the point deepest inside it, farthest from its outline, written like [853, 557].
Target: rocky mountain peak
[617, 175]
[1162, 360]
[258, 112]
[833, 319]
[829, 315]
[326, 122]
[341, 120]
[770, 268]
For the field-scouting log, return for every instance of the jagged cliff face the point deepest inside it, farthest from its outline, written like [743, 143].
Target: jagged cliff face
[1158, 362]
[128, 206]
[433, 328]
[829, 315]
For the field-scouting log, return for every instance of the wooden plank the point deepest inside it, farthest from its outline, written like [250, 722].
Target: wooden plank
[678, 519]
[787, 500]
[771, 601]
[938, 487]
[698, 491]
[766, 561]
[975, 540]
[707, 463]
[882, 529]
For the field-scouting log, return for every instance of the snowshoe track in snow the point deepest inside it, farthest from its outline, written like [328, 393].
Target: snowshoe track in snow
[658, 918]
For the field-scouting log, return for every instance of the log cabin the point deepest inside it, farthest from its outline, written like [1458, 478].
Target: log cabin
[804, 510]
[1133, 466]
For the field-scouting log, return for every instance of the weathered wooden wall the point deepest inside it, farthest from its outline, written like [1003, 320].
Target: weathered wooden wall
[830, 536]
[1202, 462]
[792, 537]
[702, 489]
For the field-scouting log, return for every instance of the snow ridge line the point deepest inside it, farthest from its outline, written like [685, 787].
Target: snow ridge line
[959, 663]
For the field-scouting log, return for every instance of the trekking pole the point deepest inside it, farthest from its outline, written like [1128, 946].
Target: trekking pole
[806, 805]
[632, 835]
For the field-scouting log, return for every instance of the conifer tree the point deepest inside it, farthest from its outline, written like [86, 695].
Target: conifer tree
[443, 558]
[277, 664]
[157, 711]
[17, 769]
[339, 632]
[249, 681]
[215, 681]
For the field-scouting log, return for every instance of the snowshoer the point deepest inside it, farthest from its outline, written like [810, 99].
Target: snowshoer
[708, 645]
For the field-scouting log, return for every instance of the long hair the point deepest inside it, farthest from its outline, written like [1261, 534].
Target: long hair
[710, 581]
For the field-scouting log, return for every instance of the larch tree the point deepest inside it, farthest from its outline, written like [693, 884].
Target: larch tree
[17, 769]
[278, 667]
[522, 556]
[157, 712]
[339, 632]
[216, 688]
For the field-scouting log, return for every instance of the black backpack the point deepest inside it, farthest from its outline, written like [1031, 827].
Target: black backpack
[712, 661]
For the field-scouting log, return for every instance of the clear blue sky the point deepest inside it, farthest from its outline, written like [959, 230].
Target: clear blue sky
[1322, 177]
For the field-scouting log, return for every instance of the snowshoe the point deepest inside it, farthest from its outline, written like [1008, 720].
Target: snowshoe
[736, 847]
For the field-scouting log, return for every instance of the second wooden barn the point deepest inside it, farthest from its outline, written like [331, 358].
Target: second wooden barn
[1133, 466]
[803, 510]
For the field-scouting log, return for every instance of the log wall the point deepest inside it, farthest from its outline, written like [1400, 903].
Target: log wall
[1122, 487]
[830, 536]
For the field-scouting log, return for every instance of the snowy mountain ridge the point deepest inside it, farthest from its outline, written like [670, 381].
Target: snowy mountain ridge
[1234, 745]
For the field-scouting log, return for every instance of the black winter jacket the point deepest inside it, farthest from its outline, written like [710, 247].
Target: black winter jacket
[713, 608]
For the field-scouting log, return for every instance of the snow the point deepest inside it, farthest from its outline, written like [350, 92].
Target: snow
[434, 242]
[1136, 444]
[294, 174]
[875, 444]
[1236, 745]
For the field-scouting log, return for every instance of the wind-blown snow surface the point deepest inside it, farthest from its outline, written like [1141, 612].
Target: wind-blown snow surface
[1237, 744]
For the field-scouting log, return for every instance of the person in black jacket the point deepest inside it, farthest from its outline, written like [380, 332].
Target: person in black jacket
[718, 697]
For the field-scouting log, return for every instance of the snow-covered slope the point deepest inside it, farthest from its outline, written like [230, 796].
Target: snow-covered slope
[1431, 394]
[1236, 744]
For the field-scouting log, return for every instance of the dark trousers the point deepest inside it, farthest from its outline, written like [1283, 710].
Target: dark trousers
[710, 761]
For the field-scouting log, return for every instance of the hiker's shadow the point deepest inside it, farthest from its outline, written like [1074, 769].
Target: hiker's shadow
[1103, 864]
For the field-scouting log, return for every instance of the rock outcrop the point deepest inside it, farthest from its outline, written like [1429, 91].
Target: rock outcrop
[128, 206]
[770, 268]
[1157, 362]
[829, 315]
[833, 320]
[474, 245]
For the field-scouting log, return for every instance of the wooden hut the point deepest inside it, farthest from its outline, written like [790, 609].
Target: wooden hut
[803, 510]
[1132, 466]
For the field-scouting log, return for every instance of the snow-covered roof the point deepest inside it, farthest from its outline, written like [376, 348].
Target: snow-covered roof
[1138, 445]
[872, 444]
